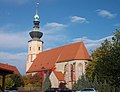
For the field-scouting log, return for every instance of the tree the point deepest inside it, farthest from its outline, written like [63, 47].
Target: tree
[36, 81]
[8, 82]
[47, 83]
[106, 62]
[32, 81]
[82, 82]
[95, 83]
[17, 79]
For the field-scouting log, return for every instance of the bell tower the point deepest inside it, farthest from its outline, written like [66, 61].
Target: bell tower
[35, 45]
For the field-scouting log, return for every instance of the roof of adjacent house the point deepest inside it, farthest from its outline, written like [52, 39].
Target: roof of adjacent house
[47, 59]
[59, 75]
[9, 68]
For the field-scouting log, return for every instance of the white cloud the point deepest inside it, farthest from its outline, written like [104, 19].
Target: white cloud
[54, 25]
[117, 25]
[18, 40]
[92, 44]
[53, 35]
[105, 13]
[78, 19]
[13, 40]
[17, 60]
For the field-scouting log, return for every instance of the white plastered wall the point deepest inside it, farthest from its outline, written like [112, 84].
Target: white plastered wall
[34, 47]
[54, 80]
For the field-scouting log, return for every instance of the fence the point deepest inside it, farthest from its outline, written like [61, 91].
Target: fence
[29, 89]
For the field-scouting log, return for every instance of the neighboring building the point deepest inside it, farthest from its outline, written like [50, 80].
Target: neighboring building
[8, 69]
[65, 64]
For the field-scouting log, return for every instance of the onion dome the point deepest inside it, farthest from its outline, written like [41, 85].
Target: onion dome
[36, 34]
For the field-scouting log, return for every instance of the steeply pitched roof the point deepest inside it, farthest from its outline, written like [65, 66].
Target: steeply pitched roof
[47, 59]
[59, 75]
[9, 68]
[75, 51]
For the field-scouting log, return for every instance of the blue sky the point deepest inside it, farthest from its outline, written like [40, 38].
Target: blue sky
[62, 22]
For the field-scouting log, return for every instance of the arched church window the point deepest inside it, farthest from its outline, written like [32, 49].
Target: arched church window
[71, 68]
[66, 72]
[74, 77]
[80, 70]
[74, 67]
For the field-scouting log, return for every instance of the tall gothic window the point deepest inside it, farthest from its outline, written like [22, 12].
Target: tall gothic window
[71, 67]
[66, 72]
[80, 70]
[74, 77]
[71, 72]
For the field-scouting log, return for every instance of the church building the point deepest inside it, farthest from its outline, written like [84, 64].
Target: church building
[64, 64]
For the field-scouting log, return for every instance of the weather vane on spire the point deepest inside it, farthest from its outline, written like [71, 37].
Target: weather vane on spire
[36, 17]
[37, 3]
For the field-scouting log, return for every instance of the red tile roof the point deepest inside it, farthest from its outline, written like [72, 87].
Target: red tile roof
[9, 68]
[59, 75]
[47, 59]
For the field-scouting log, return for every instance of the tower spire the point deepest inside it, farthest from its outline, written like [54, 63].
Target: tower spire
[36, 34]
[37, 3]
[35, 45]
[36, 17]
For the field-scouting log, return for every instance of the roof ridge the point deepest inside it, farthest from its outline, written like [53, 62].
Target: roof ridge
[61, 46]
[83, 51]
[59, 75]
[59, 55]
[57, 71]
[78, 49]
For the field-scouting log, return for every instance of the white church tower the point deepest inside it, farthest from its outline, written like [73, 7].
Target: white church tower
[35, 45]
